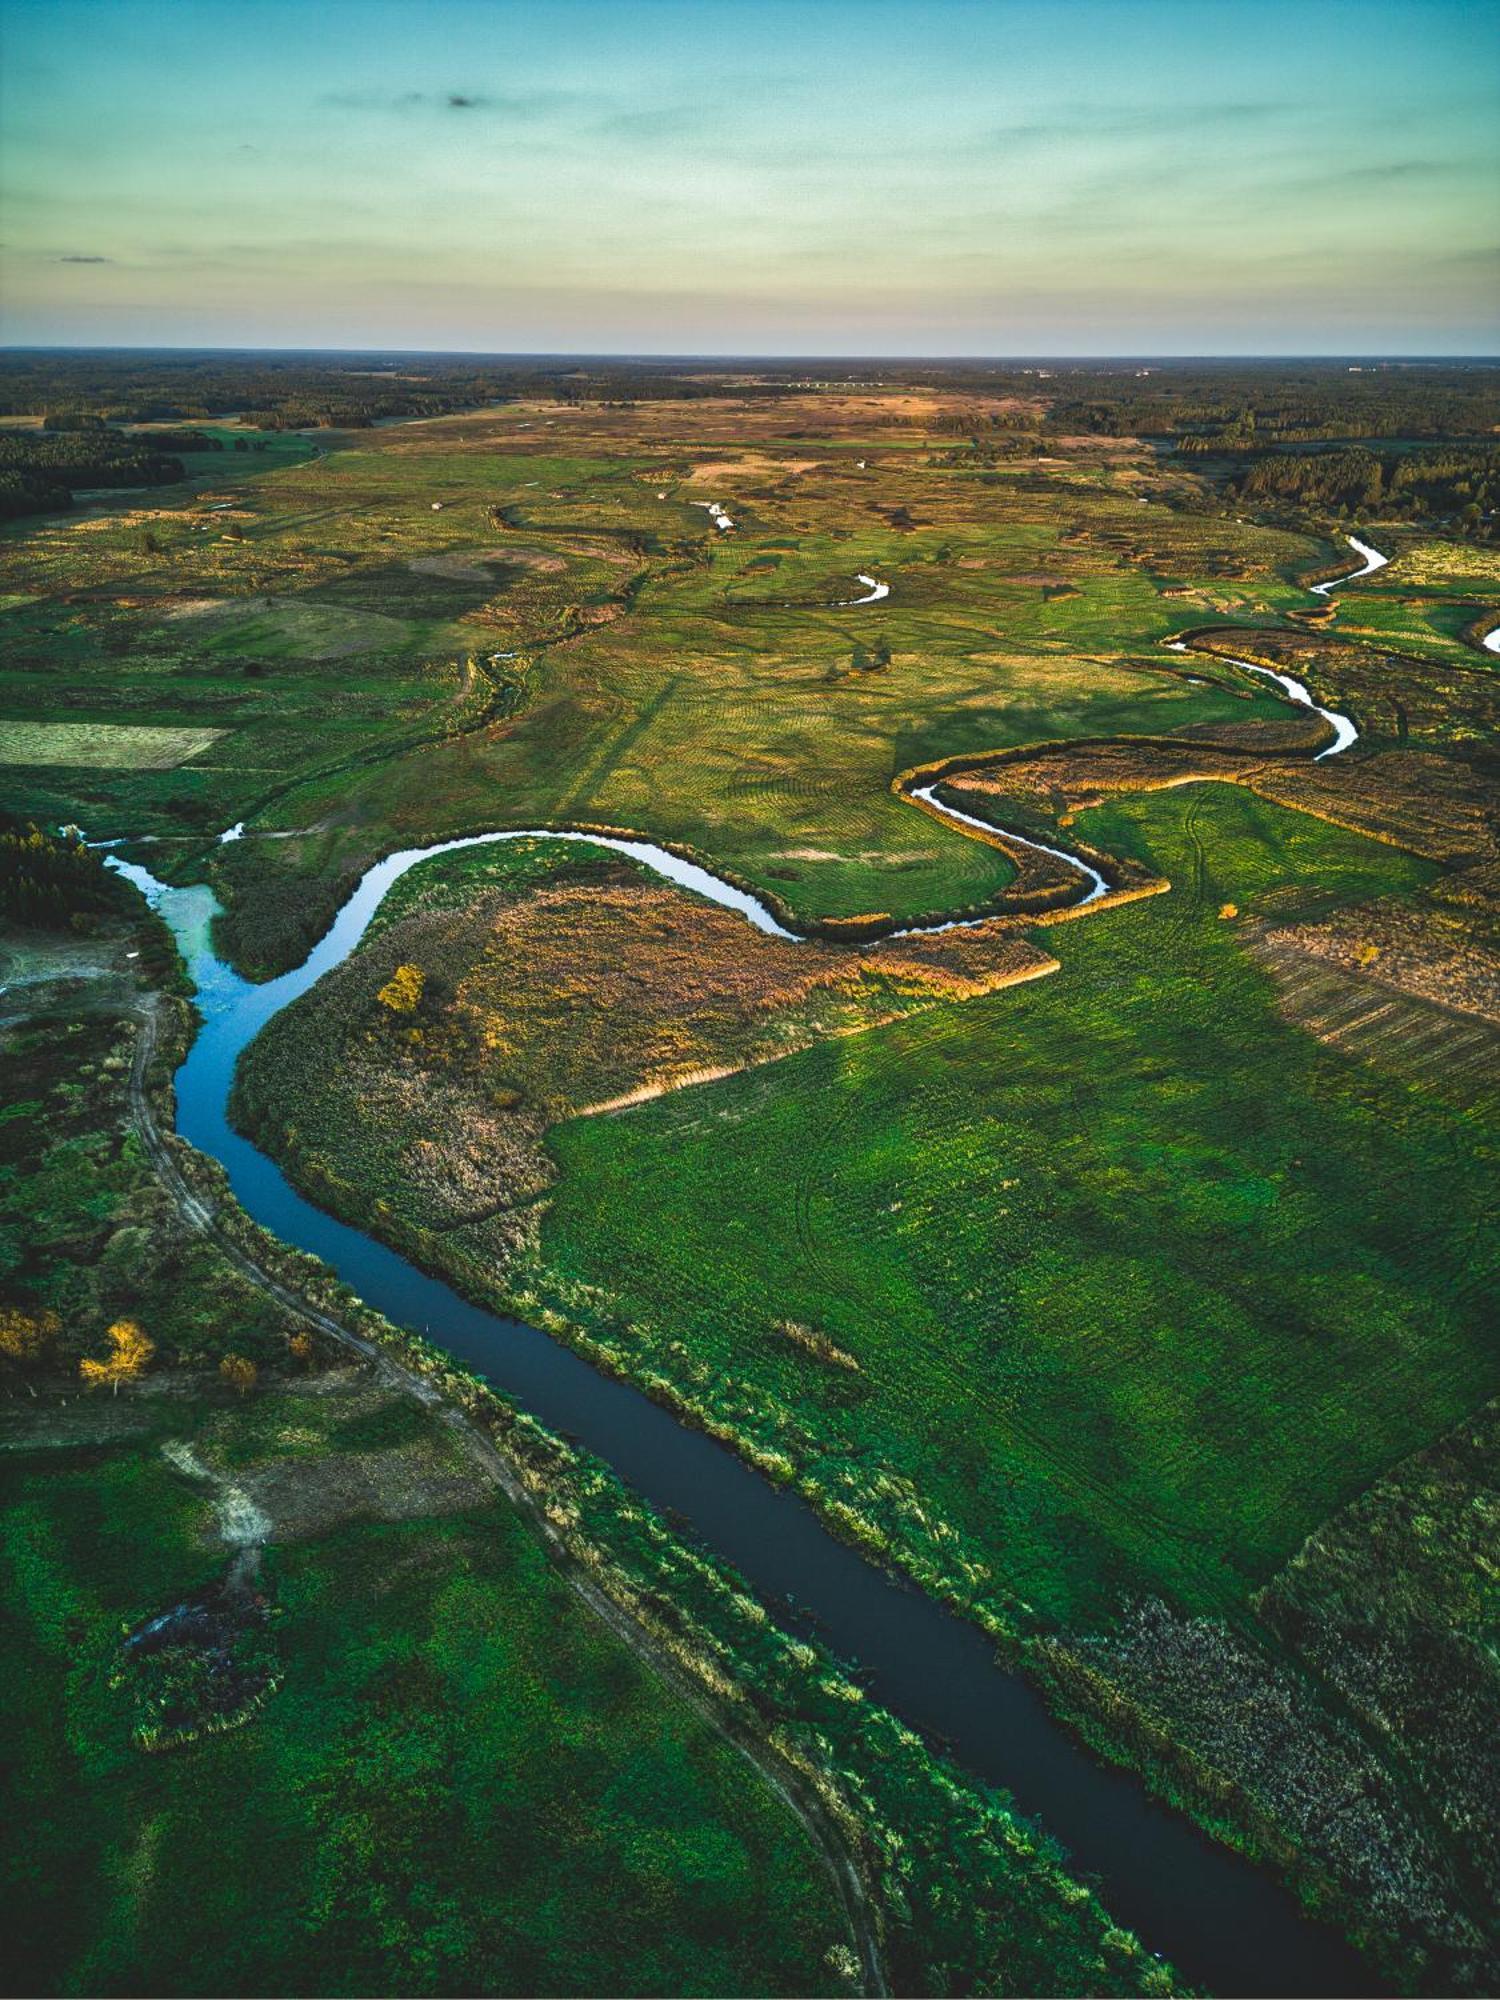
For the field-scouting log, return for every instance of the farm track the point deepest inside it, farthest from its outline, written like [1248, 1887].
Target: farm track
[199, 1217]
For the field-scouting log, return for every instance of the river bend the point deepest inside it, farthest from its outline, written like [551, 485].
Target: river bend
[1227, 1924]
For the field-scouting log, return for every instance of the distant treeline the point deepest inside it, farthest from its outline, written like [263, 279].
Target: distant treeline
[306, 392]
[1454, 484]
[42, 470]
[1216, 403]
[1225, 411]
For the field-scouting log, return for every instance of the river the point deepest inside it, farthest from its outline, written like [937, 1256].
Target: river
[1227, 1925]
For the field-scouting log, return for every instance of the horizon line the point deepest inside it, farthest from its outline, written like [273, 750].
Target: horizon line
[782, 355]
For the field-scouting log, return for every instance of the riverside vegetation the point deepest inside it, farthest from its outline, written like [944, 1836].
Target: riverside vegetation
[1138, 1308]
[266, 1599]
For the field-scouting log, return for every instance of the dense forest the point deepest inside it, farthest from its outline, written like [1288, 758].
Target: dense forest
[1453, 483]
[51, 881]
[42, 470]
[1239, 406]
[321, 391]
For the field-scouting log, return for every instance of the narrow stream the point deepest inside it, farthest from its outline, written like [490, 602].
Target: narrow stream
[1344, 730]
[1227, 1925]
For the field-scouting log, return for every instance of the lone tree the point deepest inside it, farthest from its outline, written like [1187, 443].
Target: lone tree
[130, 1351]
[239, 1372]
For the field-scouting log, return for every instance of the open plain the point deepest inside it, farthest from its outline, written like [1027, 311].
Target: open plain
[1053, 1138]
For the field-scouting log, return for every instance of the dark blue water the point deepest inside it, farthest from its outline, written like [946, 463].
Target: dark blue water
[1225, 1923]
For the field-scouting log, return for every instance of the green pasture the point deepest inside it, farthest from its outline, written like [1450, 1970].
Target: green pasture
[743, 710]
[1142, 1281]
[464, 1782]
[711, 689]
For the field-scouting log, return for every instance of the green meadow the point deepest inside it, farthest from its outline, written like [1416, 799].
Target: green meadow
[1142, 1281]
[462, 1781]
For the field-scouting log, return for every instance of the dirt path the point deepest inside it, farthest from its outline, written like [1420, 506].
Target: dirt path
[246, 1533]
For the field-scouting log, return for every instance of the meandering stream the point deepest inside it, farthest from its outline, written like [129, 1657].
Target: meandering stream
[1228, 1925]
[1344, 731]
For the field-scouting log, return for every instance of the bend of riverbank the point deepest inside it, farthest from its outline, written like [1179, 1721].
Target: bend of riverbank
[1344, 730]
[1373, 560]
[1224, 1921]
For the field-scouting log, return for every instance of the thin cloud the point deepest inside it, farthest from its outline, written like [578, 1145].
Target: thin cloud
[515, 104]
[85, 260]
[1127, 121]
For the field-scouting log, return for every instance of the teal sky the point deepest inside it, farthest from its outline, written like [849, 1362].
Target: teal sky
[746, 176]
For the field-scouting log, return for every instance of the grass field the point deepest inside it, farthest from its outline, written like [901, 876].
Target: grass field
[543, 1819]
[102, 746]
[1089, 1301]
[1120, 1322]
[303, 1705]
[713, 689]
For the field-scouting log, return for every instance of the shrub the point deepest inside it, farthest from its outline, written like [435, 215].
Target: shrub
[27, 1338]
[402, 992]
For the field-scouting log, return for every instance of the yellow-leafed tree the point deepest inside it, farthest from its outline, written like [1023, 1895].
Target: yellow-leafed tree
[240, 1372]
[27, 1337]
[130, 1351]
[402, 992]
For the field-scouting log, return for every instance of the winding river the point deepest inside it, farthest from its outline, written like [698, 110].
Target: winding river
[1344, 731]
[1227, 1924]
[1373, 560]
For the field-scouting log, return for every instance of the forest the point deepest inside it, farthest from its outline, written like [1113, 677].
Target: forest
[40, 471]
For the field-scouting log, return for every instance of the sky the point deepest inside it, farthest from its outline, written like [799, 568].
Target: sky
[934, 177]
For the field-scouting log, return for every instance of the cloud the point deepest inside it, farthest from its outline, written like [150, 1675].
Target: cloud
[516, 104]
[1123, 121]
[1403, 170]
[1380, 173]
[85, 260]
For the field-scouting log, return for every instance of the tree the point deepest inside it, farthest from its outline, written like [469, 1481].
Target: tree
[131, 1350]
[240, 1372]
[27, 1337]
[402, 992]
[303, 1349]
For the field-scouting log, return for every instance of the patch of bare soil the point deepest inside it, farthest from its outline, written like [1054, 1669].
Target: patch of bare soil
[308, 1497]
[1422, 947]
[750, 465]
[472, 565]
[1453, 1054]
